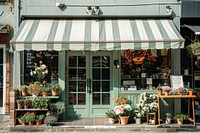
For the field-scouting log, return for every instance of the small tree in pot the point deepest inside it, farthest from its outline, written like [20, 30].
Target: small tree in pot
[180, 118]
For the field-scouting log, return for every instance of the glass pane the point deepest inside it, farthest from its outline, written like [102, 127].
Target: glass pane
[96, 99]
[81, 74]
[96, 61]
[96, 86]
[72, 61]
[72, 74]
[1, 77]
[72, 99]
[96, 73]
[81, 99]
[106, 73]
[106, 98]
[105, 61]
[106, 86]
[72, 86]
[81, 61]
[81, 86]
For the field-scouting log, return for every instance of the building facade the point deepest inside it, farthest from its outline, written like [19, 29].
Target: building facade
[83, 44]
[6, 32]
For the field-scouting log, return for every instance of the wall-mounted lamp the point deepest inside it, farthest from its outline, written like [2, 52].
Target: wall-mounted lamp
[60, 5]
[116, 63]
[92, 10]
[168, 9]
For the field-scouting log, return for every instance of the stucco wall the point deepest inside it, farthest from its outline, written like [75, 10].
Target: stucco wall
[138, 8]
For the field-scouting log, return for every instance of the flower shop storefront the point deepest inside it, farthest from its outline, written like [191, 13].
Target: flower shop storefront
[89, 57]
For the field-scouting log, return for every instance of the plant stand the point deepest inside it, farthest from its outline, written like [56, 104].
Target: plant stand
[151, 118]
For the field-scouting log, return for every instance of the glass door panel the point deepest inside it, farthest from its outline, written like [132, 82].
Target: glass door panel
[77, 80]
[101, 80]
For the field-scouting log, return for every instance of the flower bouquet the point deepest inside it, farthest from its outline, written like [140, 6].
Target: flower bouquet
[40, 71]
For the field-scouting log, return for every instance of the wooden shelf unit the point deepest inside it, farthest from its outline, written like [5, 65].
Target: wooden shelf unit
[179, 96]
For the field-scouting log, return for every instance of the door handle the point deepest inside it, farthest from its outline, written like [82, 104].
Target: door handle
[89, 86]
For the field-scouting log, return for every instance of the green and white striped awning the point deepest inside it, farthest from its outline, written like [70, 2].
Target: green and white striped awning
[94, 35]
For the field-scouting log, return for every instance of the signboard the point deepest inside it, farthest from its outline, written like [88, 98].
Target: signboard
[176, 81]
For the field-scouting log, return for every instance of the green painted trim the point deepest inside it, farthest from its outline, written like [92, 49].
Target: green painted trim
[61, 75]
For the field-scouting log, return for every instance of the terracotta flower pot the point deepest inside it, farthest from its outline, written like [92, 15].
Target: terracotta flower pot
[124, 120]
[159, 92]
[45, 94]
[166, 93]
[30, 123]
[179, 122]
[24, 93]
[19, 106]
[55, 92]
[38, 122]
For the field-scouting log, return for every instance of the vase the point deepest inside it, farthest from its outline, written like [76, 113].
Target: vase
[138, 121]
[124, 120]
[111, 121]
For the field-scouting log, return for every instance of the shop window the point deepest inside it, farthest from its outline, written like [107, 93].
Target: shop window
[34, 58]
[145, 69]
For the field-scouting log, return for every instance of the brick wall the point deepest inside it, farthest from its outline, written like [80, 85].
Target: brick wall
[4, 39]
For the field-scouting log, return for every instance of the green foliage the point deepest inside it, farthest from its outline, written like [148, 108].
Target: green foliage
[111, 114]
[55, 86]
[193, 49]
[20, 101]
[181, 117]
[50, 120]
[45, 89]
[40, 117]
[57, 108]
[41, 103]
[30, 117]
[23, 88]
[168, 115]
[27, 102]
[23, 118]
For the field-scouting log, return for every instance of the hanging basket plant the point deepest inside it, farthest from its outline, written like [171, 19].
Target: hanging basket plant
[194, 49]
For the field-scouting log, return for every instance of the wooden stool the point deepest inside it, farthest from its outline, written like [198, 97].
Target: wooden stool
[151, 118]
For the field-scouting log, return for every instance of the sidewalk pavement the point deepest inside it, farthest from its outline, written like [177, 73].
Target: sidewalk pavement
[93, 125]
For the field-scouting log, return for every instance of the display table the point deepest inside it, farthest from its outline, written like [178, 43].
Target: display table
[179, 96]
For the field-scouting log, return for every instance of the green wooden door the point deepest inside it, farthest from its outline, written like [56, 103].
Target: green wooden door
[89, 83]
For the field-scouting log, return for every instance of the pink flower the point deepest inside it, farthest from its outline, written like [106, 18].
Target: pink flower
[167, 88]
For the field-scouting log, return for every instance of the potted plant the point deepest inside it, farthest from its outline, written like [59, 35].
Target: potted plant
[35, 89]
[190, 92]
[30, 118]
[26, 103]
[24, 89]
[57, 108]
[124, 112]
[20, 103]
[167, 89]
[193, 49]
[39, 118]
[168, 118]
[45, 90]
[50, 120]
[112, 116]
[23, 119]
[180, 118]
[55, 89]
[159, 88]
